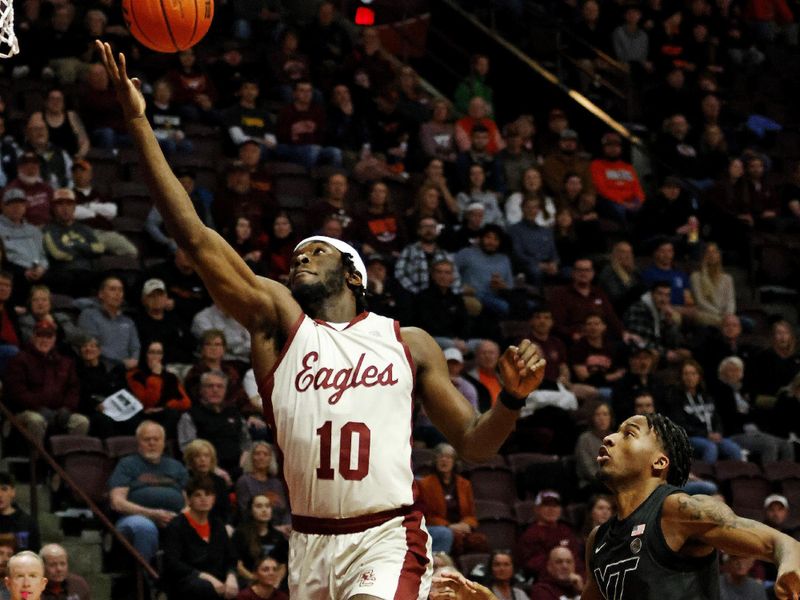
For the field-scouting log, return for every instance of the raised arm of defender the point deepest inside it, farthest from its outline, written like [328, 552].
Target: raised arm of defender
[233, 285]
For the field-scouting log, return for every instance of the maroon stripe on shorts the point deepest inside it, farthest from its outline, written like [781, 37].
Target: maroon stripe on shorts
[325, 526]
[416, 560]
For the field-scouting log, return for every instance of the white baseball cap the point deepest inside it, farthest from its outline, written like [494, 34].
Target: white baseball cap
[453, 354]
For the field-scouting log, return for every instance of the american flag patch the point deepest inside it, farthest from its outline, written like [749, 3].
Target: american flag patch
[638, 530]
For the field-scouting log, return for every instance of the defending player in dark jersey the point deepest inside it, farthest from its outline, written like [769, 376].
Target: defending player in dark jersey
[663, 543]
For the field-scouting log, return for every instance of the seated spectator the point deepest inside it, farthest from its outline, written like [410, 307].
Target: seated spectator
[167, 121]
[712, 288]
[449, 507]
[557, 122]
[248, 242]
[255, 537]
[739, 417]
[411, 270]
[618, 189]
[156, 322]
[102, 112]
[776, 366]
[657, 323]
[631, 42]
[468, 232]
[725, 340]
[237, 338]
[260, 479]
[267, 575]
[367, 62]
[572, 303]
[199, 561]
[429, 203]
[56, 164]
[755, 201]
[599, 509]
[516, 158]
[566, 160]
[560, 579]
[202, 200]
[573, 195]
[334, 203]
[40, 308]
[71, 247]
[211, 420]
[445, 317]
[7, 545]
[192, 88]
[665, 269]
[65, 128]
[386, 297]
[245, 120]
[735, 580]
[636, 382]
[184, 285]
[486, 272]
[249, 156]
[115, 331]
[485, 372]
[100, 378]
[238, 197]
[282, 240]
[601, 422]
[10, 333]
[500, 576]
[14, 520]
[478, 113]
[689, 405]
[23, 245]
[555, 352]
[531, 187]
[474, 85]
[200, 459]
[391, 130]
[25, 579]
[676, 149]
[147, 490]
[570, 245]
[594, 359]
[435, 176]
[347, 128]
[437, 136]
[785, 421]
[620, 279]
[61, 582]
[379, 228]
[414, 100]
[533, 246]
[43, 386]
[478, 154]
[301, 130]
[547, 531]
[672, 214]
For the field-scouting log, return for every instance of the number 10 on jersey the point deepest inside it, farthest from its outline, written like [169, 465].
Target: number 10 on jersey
[346, 433]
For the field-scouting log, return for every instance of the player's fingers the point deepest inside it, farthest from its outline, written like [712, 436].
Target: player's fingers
[110, 63]
[137, 83]
[123, 67]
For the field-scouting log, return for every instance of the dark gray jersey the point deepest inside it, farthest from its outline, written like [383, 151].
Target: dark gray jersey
[631, 560]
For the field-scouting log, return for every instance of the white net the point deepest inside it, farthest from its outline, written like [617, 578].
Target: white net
[9, 46]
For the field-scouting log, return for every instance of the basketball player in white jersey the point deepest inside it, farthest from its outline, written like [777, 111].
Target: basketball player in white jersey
[338, 385]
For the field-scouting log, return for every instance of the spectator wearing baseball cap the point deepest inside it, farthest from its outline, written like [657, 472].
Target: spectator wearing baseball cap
[619, 193]
[545, 533]
[566, 159]
[23, 244]
[70, 246]
[38, 192]
[155, 321]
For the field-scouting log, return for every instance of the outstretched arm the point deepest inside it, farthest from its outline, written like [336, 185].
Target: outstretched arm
[232, 284]
[475, 437]
[704, 520]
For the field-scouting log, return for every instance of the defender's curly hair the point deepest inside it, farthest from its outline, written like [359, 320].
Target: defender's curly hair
[358, 291]
[676, 446]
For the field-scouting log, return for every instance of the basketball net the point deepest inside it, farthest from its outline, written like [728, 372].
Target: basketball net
[8, 38]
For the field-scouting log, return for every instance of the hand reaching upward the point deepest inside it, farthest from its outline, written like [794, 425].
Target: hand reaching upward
[129, 93]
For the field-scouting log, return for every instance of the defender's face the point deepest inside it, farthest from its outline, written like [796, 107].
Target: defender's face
[629, 452]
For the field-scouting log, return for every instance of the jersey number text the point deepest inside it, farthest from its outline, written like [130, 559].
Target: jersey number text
[325, 469]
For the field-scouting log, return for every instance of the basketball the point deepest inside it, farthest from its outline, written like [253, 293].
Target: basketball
[168, 25]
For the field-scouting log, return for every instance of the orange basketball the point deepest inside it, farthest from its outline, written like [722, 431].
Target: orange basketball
[168, 25]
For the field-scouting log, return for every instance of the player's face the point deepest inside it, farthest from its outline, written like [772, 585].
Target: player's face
[26, 578]
[630, 453]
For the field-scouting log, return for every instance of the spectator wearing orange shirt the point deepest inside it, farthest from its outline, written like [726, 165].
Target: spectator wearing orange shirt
[617, 185]
[478, 112]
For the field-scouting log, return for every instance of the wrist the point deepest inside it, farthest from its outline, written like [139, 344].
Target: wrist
[511, 401]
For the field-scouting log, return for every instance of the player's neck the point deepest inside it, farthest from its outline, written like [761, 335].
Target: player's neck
[334, 309]
[629, 498]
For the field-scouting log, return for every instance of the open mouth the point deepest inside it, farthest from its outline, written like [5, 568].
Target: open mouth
[603, 455]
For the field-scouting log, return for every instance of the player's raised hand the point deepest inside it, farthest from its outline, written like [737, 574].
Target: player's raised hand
[787, 586]
[522, 369]
[129, 92]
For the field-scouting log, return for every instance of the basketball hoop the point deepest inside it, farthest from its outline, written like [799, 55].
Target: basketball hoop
[8, 38]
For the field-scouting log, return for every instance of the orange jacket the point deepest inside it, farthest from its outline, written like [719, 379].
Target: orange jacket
[616, 180]
[158, 391]
[431, 495]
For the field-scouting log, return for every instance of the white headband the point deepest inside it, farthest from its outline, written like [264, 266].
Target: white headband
[342, 247]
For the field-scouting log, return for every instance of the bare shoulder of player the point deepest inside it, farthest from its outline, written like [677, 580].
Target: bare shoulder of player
[424, 349]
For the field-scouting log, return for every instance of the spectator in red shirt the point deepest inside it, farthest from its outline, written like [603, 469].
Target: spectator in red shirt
[615, 181]
[561, 581]
[38, 193]
[478, 113]
[101, 110]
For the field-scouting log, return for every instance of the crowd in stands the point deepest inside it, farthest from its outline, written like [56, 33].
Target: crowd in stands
[475, 226]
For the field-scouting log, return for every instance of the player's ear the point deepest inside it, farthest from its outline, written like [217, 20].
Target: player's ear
[354, 278]
[661, 463]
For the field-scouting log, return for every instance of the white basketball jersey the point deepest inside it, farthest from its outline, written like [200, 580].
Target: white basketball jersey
[341, 404]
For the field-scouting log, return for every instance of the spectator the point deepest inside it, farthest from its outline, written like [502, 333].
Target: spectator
[478, 154]
[103, 114]
[557, 122]
[328, 42]
[65, 128]
[7, 544]
[657, 323]
[712, 288]
[267, 578]
[334, 203]
[547, 531]
[620, 279]
[412, 269]
[599, 509]
[485, 372]
[236, 198]
[301, 130]
[160, 391]
[245, 238]
[245, 120]
[237, 338]
[71, 247]
[689, 405]
[212, 351]
[192, 89]
[10, 334]
[40, 308]
[211, 420]
[14, 520]
[367, 63]
[347, 128]
[289, 65]
[35, 191]
[200, 459]
[100, 378]
[637, 381]
[776, 513]
[516, 159]
[533, 245]
[155, 322]
[632, 44]
[664, 269]
[500, 576]
[449, 507]
[565, 160]
[23, 244]
[756, 203]
[167, 121]
[601, 422]
[553, 349]
[260, 479]
[776, 366]
[282, 240]
[572, 303]
[147, 490]
[198, 557]
[468, 233]
[436, 178]
[738, 415]
[9, 152]
[256, 537]
[478, 113]
[617, 184]
[477, 192]
[671, 214]
[532, 187]
[594, 359]
[184, 286]
[474, 85]
[580, 201]
[56, 164]
[379, 228]
[44, 387]
[61, 583]
[561, 581]
[437, 136]
[25, 578]
[116, 332]
[786, 414]
[446, 316]
[726, 340]
[414, 100]
[675, 148]
[735, 581]
[486, 272]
